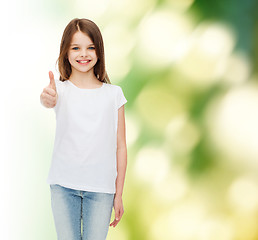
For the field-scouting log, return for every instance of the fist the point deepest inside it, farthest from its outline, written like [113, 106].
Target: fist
[49, 95]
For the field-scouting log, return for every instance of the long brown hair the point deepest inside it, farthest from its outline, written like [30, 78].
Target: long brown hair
[91, 29]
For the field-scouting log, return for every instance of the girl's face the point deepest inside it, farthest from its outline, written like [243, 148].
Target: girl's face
[81, 54]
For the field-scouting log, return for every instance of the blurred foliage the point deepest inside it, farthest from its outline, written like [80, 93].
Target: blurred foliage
[191, 174]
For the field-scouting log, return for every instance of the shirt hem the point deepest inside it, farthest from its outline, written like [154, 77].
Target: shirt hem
[82, 188]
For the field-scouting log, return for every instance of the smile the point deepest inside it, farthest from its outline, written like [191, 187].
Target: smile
[83, 61]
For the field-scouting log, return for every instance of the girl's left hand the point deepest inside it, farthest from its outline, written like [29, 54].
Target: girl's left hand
[119, 210]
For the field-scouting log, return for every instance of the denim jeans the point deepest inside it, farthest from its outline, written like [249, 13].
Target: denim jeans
[80, 215]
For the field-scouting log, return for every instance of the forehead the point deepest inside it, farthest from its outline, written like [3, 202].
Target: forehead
[81, 39]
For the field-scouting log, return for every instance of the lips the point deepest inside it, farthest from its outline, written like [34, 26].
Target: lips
[83, 61]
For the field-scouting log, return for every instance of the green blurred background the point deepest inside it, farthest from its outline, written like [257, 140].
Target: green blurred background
[189, 72]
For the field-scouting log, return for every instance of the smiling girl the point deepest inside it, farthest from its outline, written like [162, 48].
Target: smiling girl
[89, 159]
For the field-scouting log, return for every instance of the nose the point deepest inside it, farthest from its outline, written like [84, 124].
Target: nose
[83, 53]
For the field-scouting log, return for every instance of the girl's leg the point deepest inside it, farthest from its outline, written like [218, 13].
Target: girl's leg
[66, 208]
[96, 214]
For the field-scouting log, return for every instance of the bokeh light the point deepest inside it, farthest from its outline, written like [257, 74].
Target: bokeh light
[234, 118]
[206, 54]
[161, 35]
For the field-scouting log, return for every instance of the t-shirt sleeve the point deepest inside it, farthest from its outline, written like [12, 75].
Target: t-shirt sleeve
[121, 100]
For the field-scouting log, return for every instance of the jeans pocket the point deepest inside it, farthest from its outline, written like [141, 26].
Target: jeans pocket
[52, 185]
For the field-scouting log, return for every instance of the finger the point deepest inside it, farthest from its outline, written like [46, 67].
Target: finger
[48, 97]
[52, 80]
[49, 91]
[49, 105]
[114, 223]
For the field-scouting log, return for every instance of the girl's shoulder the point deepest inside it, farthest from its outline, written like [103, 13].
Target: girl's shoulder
[59, 82]
[113, 86]
[116, 90]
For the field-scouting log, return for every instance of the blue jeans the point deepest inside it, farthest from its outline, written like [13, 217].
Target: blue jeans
[70, 206]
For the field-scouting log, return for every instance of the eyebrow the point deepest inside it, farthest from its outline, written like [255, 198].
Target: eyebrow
[79, 44]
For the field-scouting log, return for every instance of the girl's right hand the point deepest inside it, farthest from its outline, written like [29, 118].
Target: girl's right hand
[49, 95]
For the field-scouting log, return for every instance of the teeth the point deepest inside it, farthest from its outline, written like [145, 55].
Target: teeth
[83, 61]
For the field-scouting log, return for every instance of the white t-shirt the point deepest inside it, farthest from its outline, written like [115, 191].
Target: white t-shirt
[84, 153]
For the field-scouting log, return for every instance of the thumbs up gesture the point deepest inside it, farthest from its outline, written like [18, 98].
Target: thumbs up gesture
[49, 95]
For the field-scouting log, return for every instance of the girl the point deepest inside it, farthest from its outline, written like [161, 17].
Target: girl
[89, 157]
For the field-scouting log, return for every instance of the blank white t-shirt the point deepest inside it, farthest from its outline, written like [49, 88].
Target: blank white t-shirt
[84, 153]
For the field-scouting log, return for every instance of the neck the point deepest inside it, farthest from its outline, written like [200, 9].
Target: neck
[84, 78]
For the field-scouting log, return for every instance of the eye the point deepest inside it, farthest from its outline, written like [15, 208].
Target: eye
[74, 48]
[92, 47]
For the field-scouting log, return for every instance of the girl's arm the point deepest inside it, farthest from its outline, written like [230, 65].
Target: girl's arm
[121, 155]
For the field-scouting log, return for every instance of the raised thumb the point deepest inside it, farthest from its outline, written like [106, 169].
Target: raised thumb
[52, 80]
